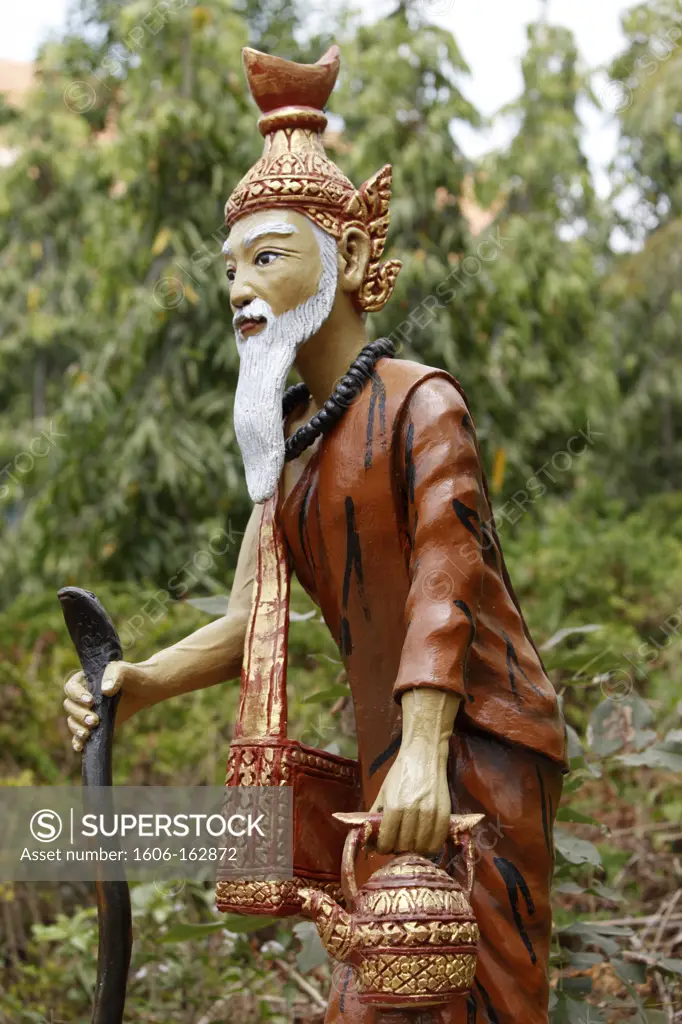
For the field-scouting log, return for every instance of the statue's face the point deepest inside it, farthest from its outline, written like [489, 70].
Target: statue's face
[283, 276]
[273, 256]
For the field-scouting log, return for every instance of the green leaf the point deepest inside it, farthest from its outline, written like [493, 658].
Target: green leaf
[576, 751]
[654, 757]
[329, 693]
[191, 932]
[604, 937]
[562, 634]
[243, 925]
[629, 973]
[575, 780]
[215, 605]
[576, 851]
[570, 889]
[569, 814]
[578, 986]
[231, 922]
[312, 953]
[609, 727]
[580, 775]
[673, 966]
[569, 1011]
[607, 893]
[643, 738]
[673, 741]
[583, 961]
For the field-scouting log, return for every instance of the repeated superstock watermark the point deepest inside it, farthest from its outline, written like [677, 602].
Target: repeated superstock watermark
[155, 608]
[616, 680]
[23, 463]
[168, 292]
[465, 270]
[81, 95]
[484, 839]
[618, 94]
[536, 487]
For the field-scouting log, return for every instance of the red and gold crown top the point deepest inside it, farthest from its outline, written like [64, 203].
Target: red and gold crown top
[295, 172]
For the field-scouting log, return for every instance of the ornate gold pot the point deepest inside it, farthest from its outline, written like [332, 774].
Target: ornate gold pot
[411, 933]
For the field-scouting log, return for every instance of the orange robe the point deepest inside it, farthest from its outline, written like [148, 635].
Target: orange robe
[390, 531]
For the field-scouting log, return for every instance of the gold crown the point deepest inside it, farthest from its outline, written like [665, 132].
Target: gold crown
[295, 172]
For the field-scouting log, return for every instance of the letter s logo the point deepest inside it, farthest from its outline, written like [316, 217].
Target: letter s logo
[46, 826]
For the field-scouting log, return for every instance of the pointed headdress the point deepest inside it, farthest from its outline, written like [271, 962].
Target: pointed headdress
[295, 172]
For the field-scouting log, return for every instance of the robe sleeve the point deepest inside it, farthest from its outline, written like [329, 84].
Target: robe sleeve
[440, 478]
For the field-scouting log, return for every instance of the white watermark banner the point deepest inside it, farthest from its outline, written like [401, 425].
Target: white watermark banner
[67, 833]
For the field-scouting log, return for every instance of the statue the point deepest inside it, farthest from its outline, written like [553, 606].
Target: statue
[370, 485]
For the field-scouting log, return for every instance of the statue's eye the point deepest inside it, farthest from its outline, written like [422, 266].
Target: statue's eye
[230, 274]
[264, 259]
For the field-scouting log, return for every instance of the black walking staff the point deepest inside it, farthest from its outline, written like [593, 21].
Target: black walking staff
[96, 641]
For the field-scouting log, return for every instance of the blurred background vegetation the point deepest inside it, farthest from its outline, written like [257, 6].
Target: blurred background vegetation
[120, 470]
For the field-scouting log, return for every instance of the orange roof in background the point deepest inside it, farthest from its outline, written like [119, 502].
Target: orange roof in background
[16, 78]
[476, 216]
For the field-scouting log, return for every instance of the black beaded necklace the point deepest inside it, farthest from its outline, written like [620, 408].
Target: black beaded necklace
[348, 388]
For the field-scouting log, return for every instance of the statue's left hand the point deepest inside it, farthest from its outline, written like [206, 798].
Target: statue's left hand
[415, 801]
[414, 798]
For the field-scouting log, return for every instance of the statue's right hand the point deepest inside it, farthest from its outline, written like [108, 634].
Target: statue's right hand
[80, 716]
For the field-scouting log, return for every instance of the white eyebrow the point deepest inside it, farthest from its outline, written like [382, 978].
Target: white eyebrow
[275, 227]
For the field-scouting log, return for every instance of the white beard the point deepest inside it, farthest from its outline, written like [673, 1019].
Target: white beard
[265, 360]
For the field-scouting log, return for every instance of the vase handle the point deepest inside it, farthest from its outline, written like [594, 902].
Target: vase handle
[365, 826]
[459, 835]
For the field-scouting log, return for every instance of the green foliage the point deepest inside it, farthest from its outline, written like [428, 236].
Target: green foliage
[206, 966]
[644, 293]
[650, 70]
[122, 473]
[185, 741]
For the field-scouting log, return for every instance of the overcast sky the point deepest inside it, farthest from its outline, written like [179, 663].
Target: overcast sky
[490, 33]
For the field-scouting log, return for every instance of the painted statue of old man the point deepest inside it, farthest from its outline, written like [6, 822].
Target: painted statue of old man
[383, 505]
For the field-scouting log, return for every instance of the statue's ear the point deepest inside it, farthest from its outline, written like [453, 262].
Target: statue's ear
[370, 207]
[354, 252]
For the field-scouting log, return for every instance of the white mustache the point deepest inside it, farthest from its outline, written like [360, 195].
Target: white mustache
[256, 308]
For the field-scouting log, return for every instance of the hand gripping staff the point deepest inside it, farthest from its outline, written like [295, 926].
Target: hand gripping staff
[97, 643]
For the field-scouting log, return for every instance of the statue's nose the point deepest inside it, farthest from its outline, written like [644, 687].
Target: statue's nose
[241, 292]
